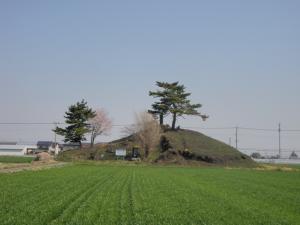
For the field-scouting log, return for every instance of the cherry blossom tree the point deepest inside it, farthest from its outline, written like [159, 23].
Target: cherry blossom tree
[146, 131]
[100, 124]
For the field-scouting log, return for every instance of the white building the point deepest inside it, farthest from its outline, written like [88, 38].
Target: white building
[16, 150]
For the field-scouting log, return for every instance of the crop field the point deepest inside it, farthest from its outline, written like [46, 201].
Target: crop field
[93, 194]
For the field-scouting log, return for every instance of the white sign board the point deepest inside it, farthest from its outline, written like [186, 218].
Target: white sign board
[121, 152]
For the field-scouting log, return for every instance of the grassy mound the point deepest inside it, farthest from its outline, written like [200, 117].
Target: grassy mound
[184, 147]
[192, 145]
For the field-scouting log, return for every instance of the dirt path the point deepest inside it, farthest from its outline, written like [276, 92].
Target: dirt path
[17, 167]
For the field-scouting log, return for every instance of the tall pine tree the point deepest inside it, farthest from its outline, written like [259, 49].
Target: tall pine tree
[161, 108]
[77, 118]
[174, 100]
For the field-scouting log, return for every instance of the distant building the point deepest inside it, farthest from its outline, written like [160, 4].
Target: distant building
[8, 143]
[70, 146]
[49, 146]
[44, 145]
[17, 150]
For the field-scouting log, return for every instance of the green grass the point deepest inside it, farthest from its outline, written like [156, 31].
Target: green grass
[93, 194]
[15, 159]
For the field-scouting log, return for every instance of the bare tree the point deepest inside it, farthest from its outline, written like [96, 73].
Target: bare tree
[146, 131]
[100, 124]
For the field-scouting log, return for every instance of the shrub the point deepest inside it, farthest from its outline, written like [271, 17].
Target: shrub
[164, 144]
[293, 155]
[256, 155]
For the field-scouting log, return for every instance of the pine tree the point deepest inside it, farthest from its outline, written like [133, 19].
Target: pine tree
[174, 100]
[77, 118]
[161, 108]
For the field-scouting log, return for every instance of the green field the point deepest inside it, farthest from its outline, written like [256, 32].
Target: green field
[16, 159]
[91, 194]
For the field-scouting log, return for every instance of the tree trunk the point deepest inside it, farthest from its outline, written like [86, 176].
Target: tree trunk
[146, 152]
[92, 141]
[161, 119]
[174, 121]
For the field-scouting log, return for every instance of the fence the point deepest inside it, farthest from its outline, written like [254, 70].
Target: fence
[265, 141]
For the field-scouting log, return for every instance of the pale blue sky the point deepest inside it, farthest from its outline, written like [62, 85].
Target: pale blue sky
[240, 59]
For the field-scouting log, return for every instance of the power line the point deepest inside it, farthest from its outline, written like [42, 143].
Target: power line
[269, 149]
[270, 129]
[257, 129]
[290, 130]
[279, 139]
[29, 123]
[120, 125]
[185, 127]
[237, 131]
[49, 123]
[236, 137]
[210, 128]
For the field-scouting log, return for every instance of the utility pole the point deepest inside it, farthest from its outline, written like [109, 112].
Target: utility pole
[279, 139]
[55, 136]
[236, 137]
